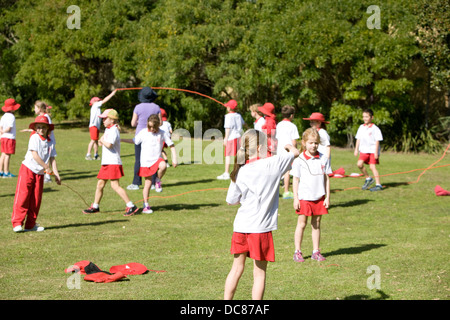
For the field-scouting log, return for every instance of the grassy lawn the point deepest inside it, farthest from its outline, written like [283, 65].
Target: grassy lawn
[402, 230]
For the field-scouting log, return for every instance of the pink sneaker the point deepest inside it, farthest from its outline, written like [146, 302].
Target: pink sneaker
[298, 256]
[317, 256]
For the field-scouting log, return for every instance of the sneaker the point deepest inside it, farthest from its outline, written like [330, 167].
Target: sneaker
[131, 211]
[1, 174]
[36, 228]
[298, 256]
[147, 210]
[133, 187]
[90, 210]
[377, 188]
[224, 176]
[18, 229]
[88, 157]
[9, 175]
[96, 157]
[158, 187]
[152, 187]
[317, 256]
[368, 182]
[288, 195]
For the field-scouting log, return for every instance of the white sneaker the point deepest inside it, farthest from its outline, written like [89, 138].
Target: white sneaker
[224, 176]
[158, 186]
[147, 210]
[133, 187]
[18, 229]
[36, 228]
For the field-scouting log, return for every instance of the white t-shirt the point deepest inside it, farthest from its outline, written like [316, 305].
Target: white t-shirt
[311, 172]
[111, 155]
[324, 140]
[167, 127]
[234, 122]
[151, 145]
[45, 149]
[257, 190]
[368, 135]
[94, 120]
[259, 124]
[8, 121]
[286, 132]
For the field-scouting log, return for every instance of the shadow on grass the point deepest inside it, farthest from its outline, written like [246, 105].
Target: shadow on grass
[383, 296]
[394, 184]
[181, 183]
[353, 250]
[75, 225]
[78, 175]
[352, 203]
[183, 206]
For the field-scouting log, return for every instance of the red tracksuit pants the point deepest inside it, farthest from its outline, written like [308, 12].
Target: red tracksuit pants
[27, 200]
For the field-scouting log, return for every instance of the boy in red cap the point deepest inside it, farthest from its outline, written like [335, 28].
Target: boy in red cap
[95, 123]
[8, 136]
[233, 127]
[40, 158]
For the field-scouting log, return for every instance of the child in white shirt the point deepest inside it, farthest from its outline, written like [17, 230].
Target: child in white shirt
[8, 136]
[254, 185]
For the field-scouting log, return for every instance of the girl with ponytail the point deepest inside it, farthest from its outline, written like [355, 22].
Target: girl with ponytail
[255, 186]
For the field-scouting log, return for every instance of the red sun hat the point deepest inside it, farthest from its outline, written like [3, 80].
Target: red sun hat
[94, 100]
[232, 104]
[268, 109]
[163, 114]
[10, 105]
[41, 119]
[317, 116]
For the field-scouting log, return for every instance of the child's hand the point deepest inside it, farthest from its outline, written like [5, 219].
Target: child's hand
[356, 153]
[296, 204]
[58, 179]
[174, 163]
[48, 170]
[326, 202]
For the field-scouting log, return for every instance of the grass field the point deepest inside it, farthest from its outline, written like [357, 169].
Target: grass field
[403, 231]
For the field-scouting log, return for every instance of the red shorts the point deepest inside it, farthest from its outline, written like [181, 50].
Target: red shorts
[149, 171]
[94, 133]
[231, 147]
[110, 172]
[259, 246]
[8, 145]
[368, 158]
[312, 208]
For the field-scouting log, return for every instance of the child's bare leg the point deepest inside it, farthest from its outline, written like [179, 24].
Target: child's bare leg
[119, 190]
[315, 226]
[361, 167]
[286, 181]
[146, 190]
[299, 230]
[374, 170]
[99, 191]
[227, 164]
[162, 169]
[235, 274]
[259, 279]
[6, 162]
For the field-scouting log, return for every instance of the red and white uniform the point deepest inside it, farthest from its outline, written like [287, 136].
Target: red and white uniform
[30, 182]
[8, 139]
[324, 140]
[368, 135]
[111, 162]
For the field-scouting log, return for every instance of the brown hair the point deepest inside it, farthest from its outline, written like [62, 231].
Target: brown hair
[307, 134]
[154, 120]
[287, 111]
[42, 106]
[249, 146]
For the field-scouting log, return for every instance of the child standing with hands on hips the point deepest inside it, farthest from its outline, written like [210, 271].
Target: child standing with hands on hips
[111, 164]
[152, 141]
[254, 185]
[40, 158]
[311, 185]
[368, 139]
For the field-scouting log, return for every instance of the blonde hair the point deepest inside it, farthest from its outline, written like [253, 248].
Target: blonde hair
[254, 108]
[308, 134]
[41, 105]
[250, 142]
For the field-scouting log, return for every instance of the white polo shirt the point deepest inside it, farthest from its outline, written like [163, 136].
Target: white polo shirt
[257, 191]
[368, 135]
[259, 124]
[111, 155]
[151, 145]
[311, 172]
[8, 120]
[45, 149]
[234, 122]
[286, 132]
[324, 140]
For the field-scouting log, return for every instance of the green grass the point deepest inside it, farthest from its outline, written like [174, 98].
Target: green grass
[404, 230]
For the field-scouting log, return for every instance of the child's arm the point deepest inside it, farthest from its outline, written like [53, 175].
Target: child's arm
[292, 149]
[41, 162]
[174, 156]
[377, 147]
[109, 96]
[127, 140]
[102, 142]
[5, 130]
[227, 134]
[328, 152]
[295, 182]
[326, 202]
[356, 147]
[294, 143]
[55, 170]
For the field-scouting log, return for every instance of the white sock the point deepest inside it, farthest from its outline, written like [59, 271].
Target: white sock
[95, 205]
[315, 251]
[130, 204]
[146, 204]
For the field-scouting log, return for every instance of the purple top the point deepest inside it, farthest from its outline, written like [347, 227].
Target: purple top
[143, 111]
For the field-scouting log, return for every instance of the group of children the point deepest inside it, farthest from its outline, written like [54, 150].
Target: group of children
[255, 184]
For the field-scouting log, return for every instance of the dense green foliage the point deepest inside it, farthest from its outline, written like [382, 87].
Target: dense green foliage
[314, 55]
